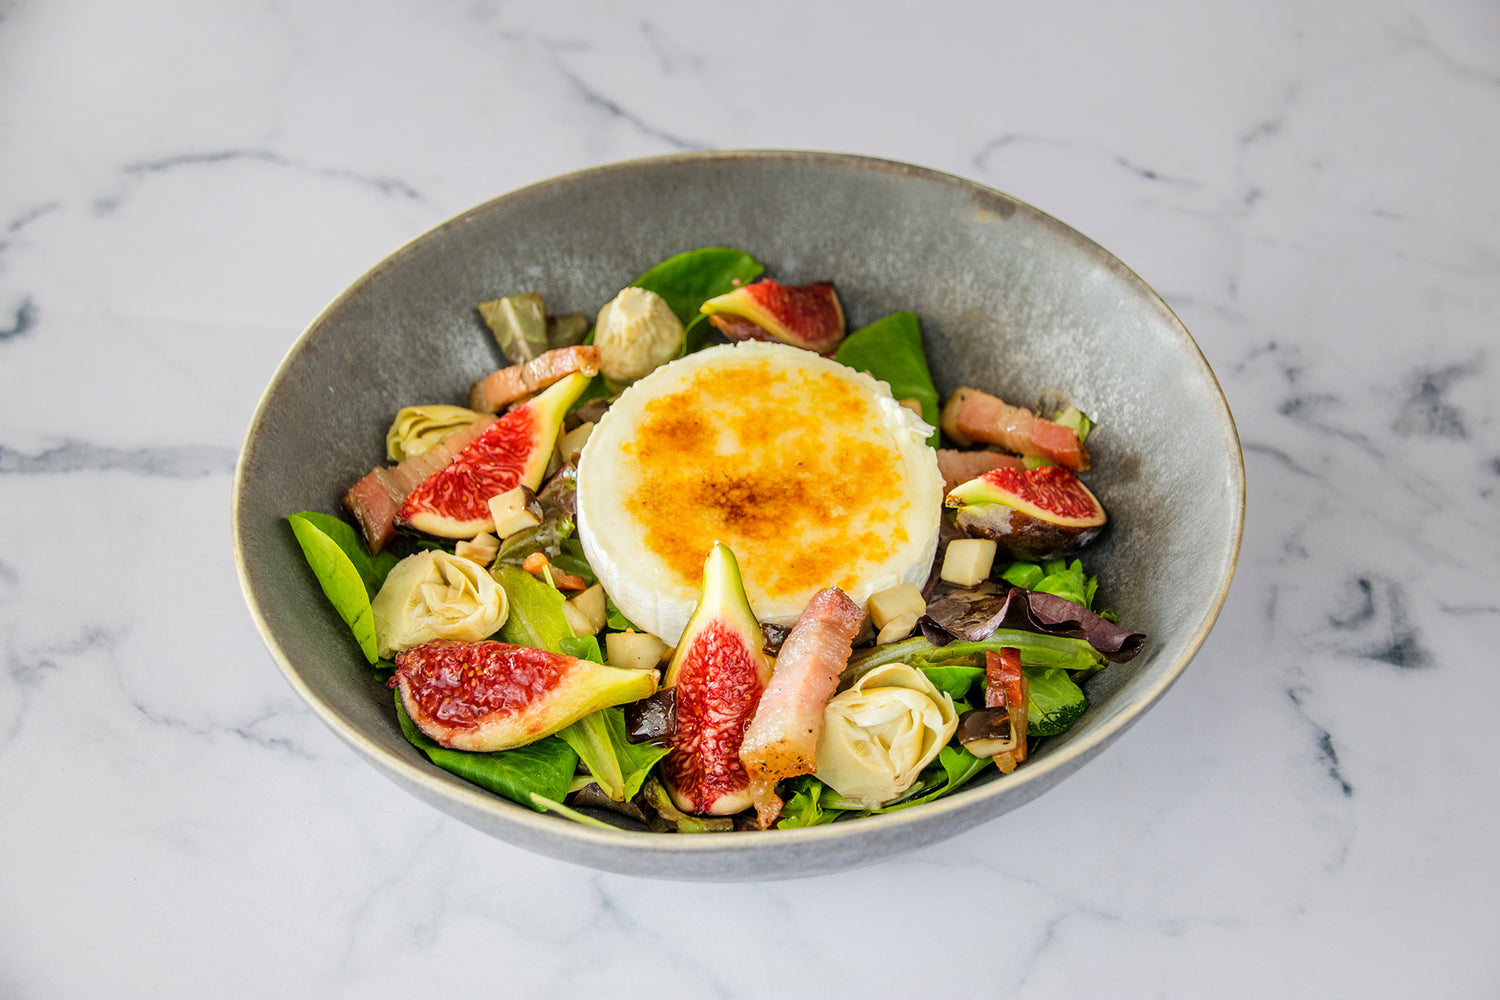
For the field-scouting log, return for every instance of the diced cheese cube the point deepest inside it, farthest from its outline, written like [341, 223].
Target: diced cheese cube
[482, 548]
[590, 604]
[968, 561]
[515, 510]
[895, 602]
[572, 442]
[482, 554]
[633, 649]
[577, 620]
[897, 628]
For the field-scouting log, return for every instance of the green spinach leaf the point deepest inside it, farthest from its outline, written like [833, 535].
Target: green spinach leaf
[1037, 650]
[583, 647]
[618, 765]
[804, 807]
[1055, 576]
[1055, 702]
[348, 580]
[536, 615]
[1025, 575]
[890, 349]
[614, 619]
[689, 279]
[372, 569]
[545, 767]
[954, 679]
[953, 769]
[570, 559]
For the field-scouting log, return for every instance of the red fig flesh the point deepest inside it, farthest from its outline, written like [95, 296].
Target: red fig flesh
[1032, 513]
[719, 674]
[484, 696]
[806, 316]
[513, 451]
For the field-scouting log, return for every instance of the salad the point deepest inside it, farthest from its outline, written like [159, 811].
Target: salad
[751, 642]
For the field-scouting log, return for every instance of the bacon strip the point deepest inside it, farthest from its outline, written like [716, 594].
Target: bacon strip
[961, 466]
[510, 384]
[375, 499]
[971, 415]
[782, 739]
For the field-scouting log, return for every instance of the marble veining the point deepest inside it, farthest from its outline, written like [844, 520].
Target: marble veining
[25, 319]
[1311, 187]
[74, 456]
[1326, 753]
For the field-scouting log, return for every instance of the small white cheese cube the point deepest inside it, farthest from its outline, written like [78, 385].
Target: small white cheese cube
[897, 628]
[590, 604]
[514, 510]
[577, 620]
[895, 602]
[572, 442]
[476, 551]
[633, 649]
[968, 561]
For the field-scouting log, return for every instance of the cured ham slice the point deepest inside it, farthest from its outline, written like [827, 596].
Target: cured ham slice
[971, 415]
[961, 466]
[1005, 687]
[781, 740]
[510, 384]
[375, 500]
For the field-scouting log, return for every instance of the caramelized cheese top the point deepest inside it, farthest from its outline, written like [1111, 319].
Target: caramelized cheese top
[792, 468]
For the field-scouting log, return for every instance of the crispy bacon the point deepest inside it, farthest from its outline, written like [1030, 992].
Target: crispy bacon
[510, 384]
[961, 466]
[782, 739]
[375, 500]
[971, 415]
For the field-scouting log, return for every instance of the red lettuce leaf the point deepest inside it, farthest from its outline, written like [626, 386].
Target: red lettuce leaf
[973, 615]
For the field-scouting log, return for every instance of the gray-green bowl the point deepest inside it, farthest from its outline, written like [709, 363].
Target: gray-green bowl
[1010, 300]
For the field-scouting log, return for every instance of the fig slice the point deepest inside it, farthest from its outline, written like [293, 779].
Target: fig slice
[806, 316]
[719, 674]
[513, 451]
[485, 696]
[1031, 513]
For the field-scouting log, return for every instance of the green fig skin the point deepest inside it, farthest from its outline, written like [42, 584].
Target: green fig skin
[719, 673]
[1009, 506]
[806, 316]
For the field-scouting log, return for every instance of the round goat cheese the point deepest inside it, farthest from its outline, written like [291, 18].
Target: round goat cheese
[807, 469]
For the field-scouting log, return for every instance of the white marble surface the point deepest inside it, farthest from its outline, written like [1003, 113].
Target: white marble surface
[1312, 811]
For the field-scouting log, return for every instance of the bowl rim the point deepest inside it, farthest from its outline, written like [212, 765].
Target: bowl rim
[440, 784]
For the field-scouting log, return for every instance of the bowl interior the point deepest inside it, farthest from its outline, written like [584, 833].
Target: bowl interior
[1010, 301]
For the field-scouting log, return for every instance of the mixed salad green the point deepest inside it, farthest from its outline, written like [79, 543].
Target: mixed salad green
[594, 764]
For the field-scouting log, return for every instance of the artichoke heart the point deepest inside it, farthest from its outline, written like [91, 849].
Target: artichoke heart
[417, 429]
[879, 734]
[433, 595]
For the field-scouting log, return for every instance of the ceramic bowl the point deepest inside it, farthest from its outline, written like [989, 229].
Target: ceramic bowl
[1010, 300]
